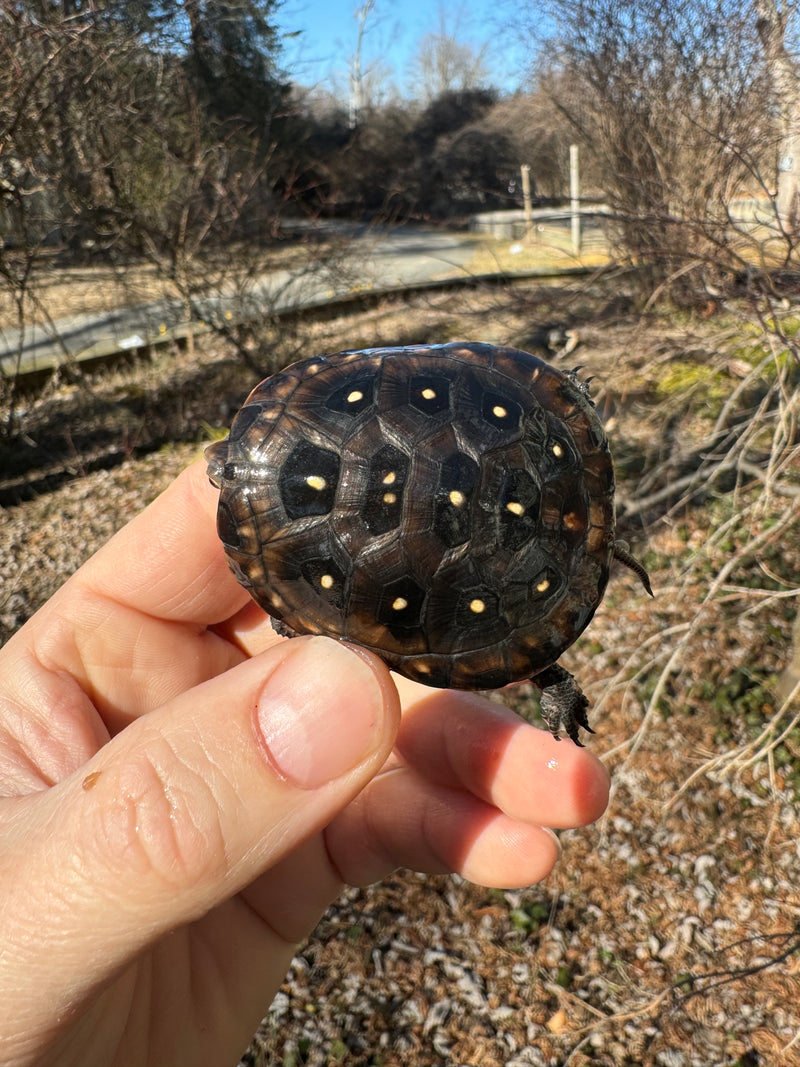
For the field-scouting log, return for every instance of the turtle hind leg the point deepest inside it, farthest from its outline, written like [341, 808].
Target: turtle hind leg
[563, 703]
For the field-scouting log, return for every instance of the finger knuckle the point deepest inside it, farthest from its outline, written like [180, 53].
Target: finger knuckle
[161, 823]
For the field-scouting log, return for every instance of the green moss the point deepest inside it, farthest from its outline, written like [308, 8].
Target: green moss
[528, 918]
[337, 1050]
[756, 354]
[647, 687]
[682, 376]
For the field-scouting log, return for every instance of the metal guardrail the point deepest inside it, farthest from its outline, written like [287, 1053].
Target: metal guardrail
[144, 340]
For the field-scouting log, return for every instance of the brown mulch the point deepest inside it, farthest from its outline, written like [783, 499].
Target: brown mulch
[669, 933]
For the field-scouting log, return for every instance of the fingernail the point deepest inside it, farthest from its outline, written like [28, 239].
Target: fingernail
[320, 712]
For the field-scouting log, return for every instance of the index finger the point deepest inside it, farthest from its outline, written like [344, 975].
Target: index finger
[134, 627]
[168, 562]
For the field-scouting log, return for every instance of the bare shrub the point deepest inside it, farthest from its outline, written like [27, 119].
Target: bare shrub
[674, 100]
[143, 134]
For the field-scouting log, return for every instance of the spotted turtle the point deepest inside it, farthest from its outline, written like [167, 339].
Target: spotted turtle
[449, 507]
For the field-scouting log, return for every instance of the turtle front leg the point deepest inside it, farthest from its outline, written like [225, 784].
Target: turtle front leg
[281, 628]
[563, 703]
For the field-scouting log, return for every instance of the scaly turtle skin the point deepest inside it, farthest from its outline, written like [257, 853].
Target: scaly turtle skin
[449, 507]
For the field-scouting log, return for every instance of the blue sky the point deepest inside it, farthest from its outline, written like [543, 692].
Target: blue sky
[319, 55]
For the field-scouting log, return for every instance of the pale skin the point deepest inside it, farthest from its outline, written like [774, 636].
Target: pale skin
[184, 793]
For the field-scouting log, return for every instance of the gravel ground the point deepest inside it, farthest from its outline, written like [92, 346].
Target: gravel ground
[669, 933]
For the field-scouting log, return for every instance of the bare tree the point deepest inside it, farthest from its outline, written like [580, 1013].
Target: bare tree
[540, 136]
[673, 100]
[362, 15]
[39, 73]
[772, 24]
[446, 63]
[128, 134]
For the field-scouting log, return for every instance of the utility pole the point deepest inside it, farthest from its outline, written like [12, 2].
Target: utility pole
[574, 199]
[527, 204]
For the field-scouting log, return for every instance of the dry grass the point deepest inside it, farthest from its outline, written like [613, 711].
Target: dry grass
[546, 247]
[51, 293]
[58, 293]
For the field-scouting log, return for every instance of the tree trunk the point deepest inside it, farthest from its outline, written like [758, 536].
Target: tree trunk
[772, 31]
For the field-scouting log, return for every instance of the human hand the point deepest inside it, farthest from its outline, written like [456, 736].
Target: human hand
[182, 794]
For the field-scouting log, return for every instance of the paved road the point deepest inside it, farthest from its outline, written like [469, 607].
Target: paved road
[378, 259]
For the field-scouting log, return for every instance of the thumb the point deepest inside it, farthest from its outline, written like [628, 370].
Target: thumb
[191, 803]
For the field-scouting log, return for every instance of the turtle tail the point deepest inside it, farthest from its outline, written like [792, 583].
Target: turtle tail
[622, 553]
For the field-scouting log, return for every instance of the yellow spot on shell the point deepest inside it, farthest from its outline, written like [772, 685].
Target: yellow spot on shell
[477, 606]
[390, 498]
[457, 498]
[558, 450]
[543, 585]
[515, 507]
[390, 478]
[499, 411]
[572, 521]
[428, 393]
[399, 603]
[316, 481]
[326, 581]
[355, 396]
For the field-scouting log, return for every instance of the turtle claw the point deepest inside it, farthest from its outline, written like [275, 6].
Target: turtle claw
[563, 703]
